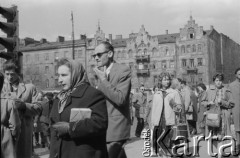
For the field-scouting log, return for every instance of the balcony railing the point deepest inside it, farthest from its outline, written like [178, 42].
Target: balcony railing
[191, 70]
[143, 72]
[145, 58]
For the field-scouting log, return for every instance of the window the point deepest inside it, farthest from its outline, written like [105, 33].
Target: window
[192, 79]
[145, 51]
[47, 83]
[199, 47]
[194, 48]
[164, 64]
[191, 62]
[140, 66]
[56, 83]
[172, 64]
[131, 65]
[154, 50]
[191, 35]
[188, 48]
[56, 54]
[183, 49]
[166, 52]
[155, 79]
[47, 56]
[46, 69]
[184, 62]
[154, 65]
[200, 61]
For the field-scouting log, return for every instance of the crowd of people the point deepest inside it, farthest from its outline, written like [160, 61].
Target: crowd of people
[27, 112]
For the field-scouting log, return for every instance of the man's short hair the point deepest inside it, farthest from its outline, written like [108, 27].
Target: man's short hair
[219, 76]
[10, 65]
[236, 71]
[108, 46]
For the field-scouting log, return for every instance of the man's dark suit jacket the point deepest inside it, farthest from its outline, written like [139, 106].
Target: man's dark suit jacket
[117, 90]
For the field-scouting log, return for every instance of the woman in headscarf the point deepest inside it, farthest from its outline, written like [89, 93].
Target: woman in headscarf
[86, 137]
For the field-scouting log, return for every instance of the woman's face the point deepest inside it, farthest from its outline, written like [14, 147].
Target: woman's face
[64, 77]
[165, 82]
[218, 83]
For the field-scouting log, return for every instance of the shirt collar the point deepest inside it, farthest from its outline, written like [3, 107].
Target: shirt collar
[109, 68]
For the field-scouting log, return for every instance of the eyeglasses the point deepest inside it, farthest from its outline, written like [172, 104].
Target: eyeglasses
[100, 54]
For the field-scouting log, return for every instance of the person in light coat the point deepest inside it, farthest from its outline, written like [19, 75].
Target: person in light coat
[166, 102]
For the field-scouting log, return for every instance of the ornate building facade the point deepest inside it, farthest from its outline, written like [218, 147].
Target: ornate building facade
[193, 54]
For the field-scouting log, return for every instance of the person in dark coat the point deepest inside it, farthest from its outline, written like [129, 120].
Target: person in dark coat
[85, 138]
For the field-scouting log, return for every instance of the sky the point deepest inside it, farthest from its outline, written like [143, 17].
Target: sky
[51, 18]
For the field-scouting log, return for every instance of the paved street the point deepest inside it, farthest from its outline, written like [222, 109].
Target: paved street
[134, 148]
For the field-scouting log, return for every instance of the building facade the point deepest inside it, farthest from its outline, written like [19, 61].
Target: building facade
[193, 54]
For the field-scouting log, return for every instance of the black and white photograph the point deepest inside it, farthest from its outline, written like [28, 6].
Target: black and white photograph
[120, 78]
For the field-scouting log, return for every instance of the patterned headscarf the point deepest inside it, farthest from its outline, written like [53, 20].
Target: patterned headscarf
[78, 77]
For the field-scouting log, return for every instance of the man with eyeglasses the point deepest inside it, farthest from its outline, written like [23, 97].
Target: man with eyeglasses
[114, 80]
[139, 103]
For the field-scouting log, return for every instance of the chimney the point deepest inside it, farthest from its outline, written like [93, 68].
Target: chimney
[211, 27]
[110, 38]
[27, 41]
[118, 36]
[43, 40]
[60, 39]
[166, 32]
[83, 37]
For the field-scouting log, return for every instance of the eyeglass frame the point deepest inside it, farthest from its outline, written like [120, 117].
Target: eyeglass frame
[100, 54]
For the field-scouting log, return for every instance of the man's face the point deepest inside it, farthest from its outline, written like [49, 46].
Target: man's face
[238, 75]
[11, 76]
[102, 56]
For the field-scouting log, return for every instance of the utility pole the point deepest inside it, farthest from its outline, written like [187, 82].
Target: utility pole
[73, 41]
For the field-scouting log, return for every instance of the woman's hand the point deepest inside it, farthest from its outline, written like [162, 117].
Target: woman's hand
[62, 128]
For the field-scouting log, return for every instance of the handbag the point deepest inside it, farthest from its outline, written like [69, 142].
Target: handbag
[180, 129]
[213, 118]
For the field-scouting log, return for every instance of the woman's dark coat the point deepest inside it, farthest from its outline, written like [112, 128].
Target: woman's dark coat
[88, 140]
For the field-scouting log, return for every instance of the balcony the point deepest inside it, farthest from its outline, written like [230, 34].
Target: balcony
[143, 58]
[191, 70]
[143, 72]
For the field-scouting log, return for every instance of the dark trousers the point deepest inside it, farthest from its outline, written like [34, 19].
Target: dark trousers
[116, 149]
[238, 141]
[43, 138]
[140, 126]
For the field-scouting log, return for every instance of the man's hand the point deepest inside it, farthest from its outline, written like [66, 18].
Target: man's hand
[19, 104]
[62, 128]
[100, 74]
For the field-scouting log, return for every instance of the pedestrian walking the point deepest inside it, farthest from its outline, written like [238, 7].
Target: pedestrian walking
[86, 136]
[235, 89]
[139, 103]
[114, 81]
[218, 101]
[25, 100]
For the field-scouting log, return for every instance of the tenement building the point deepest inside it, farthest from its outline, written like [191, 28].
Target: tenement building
[193, 54]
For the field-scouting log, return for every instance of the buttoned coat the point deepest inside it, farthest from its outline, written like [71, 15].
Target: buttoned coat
[28, 94]
[117, 91]
[227, 104]
[87, 138]
[235, 89]
[10, 128]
